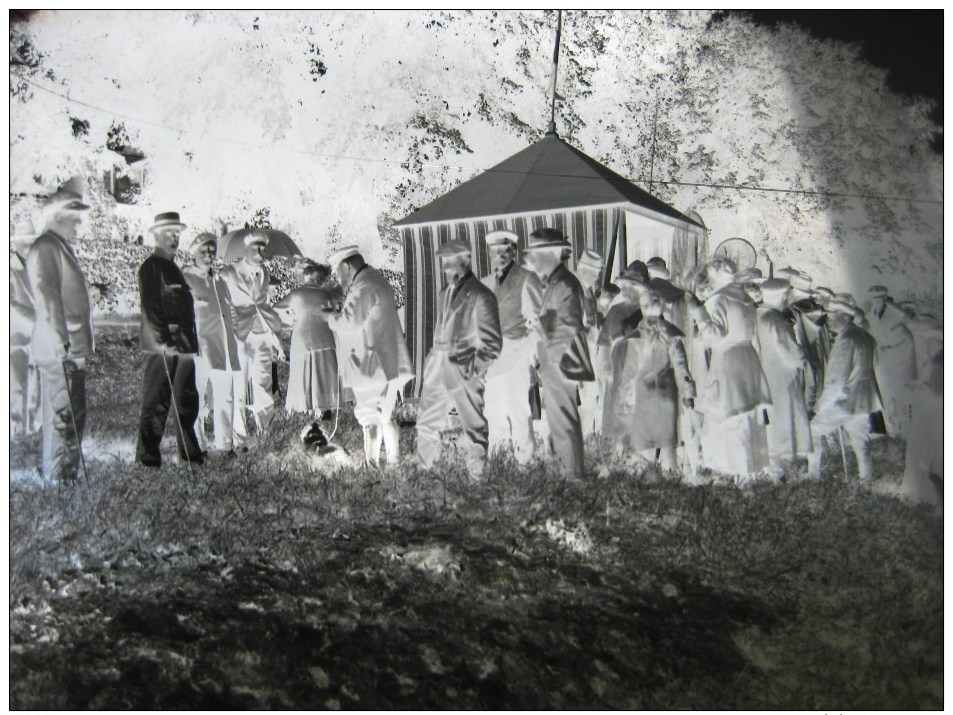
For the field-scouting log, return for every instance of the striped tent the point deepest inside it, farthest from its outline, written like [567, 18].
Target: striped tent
[547, 184]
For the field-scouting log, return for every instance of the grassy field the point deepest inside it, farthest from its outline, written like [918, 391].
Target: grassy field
[275, 579]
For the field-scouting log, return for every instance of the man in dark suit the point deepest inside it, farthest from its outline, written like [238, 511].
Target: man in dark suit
[62, 338]
[170, 342]
[562, 347]
[467, 339]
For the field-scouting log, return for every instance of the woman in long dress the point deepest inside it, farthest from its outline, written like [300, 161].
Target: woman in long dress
[313, 368]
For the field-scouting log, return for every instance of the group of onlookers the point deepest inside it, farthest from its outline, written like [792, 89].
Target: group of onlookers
[731, 372]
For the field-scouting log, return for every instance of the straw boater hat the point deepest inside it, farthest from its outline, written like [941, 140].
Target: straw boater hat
[454, 248]
[165, 220]
[547, 238]
[203, 239]
[501, 238]
[256, 238]
[68, 196]
[342, 254]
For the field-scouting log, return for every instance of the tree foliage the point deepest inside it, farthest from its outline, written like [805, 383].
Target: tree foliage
[342, 122]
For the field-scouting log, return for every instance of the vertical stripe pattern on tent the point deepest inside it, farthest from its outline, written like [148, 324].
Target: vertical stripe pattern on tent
[413, 278]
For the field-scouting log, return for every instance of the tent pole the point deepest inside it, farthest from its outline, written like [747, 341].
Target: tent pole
[652, 156]
[552, 86]
[607, 274]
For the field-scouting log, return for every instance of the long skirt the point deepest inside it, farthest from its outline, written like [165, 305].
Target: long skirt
[313, 381]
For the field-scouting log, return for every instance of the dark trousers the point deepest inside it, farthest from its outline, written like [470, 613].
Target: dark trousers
[562, 412]
[168, 380]
[64, 419]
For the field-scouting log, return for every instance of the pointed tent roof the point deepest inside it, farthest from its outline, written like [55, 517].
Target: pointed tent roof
[548, 175]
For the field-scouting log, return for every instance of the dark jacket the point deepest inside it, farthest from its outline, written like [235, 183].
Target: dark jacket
[168, 313]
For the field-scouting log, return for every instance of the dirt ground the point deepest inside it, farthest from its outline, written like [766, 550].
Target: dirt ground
[276, 580]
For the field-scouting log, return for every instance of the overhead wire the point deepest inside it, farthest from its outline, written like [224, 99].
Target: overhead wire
[344, 157]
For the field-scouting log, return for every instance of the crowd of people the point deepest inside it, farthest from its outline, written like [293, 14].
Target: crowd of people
[734, 374]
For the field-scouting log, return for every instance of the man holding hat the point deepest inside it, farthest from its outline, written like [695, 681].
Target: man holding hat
[372, 356]
[509, 378]
[62, 337]
[169, 339]
[218, 370]
[257, 328]
[808, 319]
[23, 388]
[896, 356]
[466, 340]
[562, 346]
[850, 392]
[786, 367]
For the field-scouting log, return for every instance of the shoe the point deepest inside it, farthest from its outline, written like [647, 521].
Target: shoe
[151, 463]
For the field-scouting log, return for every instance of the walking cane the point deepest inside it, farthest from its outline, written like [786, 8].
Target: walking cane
[69, 399]
[175, 411]
[843, 452]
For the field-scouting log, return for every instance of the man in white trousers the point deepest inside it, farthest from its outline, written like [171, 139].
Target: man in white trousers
[373, 359]
[257, 328]
[218, 370]
[518, 294]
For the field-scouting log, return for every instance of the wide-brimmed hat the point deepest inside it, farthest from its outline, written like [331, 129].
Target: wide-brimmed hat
[68, 196]
[635, 274]
[501, 238]
[256, 238]
[837, 305]
[457, 247]
[342, 254]
[547, 238]
[165, 220]
[774, 286]
[203, 239]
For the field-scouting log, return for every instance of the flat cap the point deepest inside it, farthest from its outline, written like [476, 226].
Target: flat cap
[500, 238]
[456, 247]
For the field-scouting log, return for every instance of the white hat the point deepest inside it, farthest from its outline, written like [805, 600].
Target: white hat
[342, 254]
[501, 237]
